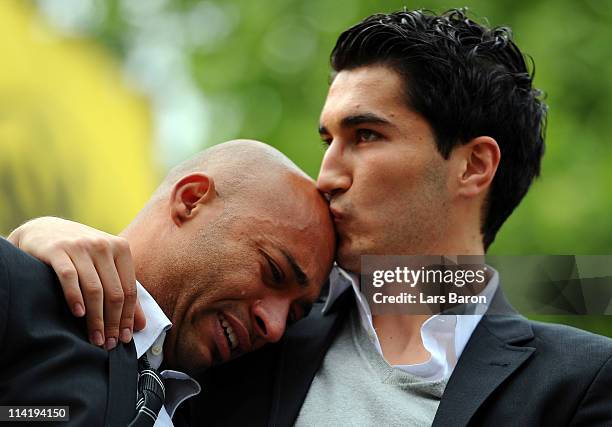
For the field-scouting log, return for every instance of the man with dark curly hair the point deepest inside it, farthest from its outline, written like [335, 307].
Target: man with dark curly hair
[434, 133]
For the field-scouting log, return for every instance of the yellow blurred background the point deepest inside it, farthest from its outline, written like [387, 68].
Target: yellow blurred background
[74, 140]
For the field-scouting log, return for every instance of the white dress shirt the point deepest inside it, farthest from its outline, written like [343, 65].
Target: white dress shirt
[150, 340]
[444, 335]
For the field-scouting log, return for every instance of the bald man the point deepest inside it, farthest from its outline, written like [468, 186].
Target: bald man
[235, 243]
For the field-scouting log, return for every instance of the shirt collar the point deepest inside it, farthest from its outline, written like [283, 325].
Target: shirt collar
[150, 340]
[153, 335]
[339, 281]
[444, 336]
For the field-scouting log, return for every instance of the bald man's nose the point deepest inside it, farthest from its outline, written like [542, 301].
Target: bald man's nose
[334, 176]
[270, 318]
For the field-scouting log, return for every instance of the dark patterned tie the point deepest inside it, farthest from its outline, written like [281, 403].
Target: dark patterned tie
[151, 395]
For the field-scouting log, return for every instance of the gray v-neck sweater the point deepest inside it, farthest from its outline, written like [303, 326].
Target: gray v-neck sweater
[355, 386]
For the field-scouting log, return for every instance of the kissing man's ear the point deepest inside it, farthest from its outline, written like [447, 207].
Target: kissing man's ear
[480, 159]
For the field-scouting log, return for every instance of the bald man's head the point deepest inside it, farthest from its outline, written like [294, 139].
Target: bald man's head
[239, 167]
[236, 233]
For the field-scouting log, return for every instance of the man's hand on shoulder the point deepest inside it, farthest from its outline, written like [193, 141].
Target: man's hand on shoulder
[95, 270]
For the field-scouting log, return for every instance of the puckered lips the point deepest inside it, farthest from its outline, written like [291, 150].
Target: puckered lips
[336, 214]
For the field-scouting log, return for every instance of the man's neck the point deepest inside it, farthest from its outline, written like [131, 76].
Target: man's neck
[149, 269]
[400, 338]
[400, 335]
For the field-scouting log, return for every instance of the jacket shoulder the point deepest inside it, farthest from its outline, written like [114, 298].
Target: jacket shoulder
[14, 263]
[19, 274]
[30, 291]
[572, 347]
[556, 334]
[26, 277]
[45, 353]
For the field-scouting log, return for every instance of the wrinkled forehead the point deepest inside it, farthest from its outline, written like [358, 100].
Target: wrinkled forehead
[298, 218]
[308, 254]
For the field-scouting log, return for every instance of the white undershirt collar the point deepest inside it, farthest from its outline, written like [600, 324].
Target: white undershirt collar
[444, 335]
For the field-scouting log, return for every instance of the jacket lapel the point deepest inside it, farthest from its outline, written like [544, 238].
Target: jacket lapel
[122, 384]
[303, 352]
[490, 357]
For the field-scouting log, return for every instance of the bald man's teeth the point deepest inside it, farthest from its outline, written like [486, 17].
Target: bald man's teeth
[234, 340]
[229, 332]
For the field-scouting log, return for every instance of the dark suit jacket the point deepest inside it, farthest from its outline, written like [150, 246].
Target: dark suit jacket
[45, 357]
[512, 372]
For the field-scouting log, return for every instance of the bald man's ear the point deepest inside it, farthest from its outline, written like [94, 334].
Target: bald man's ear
[479, 159]
[189, 196]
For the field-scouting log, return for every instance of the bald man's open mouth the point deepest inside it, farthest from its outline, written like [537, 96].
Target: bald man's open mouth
[236, 338]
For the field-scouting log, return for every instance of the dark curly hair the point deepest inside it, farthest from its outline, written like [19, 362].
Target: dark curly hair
[466, 80]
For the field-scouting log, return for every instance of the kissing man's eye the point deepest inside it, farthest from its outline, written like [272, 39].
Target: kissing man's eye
[367, 135]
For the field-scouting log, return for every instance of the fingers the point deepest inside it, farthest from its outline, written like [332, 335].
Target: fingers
[107, 280]
[92, 292]
[127, 278]
[113, 298]
[69, 279]
[96, 273]
[15, 236]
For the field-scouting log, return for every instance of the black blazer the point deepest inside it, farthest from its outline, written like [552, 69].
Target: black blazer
[45, 357]
[512, 372]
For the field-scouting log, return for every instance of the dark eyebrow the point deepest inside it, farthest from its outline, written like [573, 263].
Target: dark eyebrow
[300, 276]
[358, 119]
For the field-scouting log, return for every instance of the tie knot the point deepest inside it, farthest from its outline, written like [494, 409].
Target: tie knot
[143, 363]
